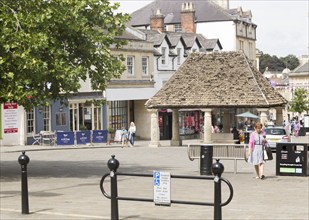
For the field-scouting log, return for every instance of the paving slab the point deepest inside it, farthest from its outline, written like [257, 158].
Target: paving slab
[64, 184]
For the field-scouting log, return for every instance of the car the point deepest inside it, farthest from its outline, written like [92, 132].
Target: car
[275, 135]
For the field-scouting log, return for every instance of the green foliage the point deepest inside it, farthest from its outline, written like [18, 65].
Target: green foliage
[300, 101]
[48, 46]
[278, 64]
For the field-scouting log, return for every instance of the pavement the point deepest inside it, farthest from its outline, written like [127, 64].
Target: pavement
[64, 182]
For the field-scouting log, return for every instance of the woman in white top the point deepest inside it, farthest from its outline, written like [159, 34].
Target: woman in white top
[132, 130]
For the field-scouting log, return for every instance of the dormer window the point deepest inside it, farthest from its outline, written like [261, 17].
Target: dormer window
[177, 28]
[178, 56]
[163, 57]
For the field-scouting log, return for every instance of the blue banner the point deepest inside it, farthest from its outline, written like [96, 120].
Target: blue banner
[65, 138]
[83, 137]
[99, 136]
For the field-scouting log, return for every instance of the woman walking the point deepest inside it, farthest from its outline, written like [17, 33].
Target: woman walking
[256, 146]
[132, 130]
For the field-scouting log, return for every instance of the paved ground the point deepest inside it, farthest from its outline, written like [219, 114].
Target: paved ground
[64, 184]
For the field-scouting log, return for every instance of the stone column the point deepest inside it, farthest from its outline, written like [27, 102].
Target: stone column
[207, 125]
[154, 131]
[175, 129]
[279, 116]
[227, 121]
[263, 115]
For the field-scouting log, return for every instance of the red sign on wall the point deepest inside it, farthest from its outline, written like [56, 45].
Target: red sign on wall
[10, 118]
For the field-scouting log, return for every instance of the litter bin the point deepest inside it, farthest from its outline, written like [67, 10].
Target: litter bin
[292, 159]
[206, 159]
[247, 137]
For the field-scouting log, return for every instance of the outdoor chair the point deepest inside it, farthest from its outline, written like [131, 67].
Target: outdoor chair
[36, 138]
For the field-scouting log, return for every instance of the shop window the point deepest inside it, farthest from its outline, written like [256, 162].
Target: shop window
[46, 118]
[30, 121]
[118, 114]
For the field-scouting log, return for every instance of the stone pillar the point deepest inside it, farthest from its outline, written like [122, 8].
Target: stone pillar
[207, 125]
[263, 115]
[227, 122]
[154, 133]
[175, 129]
[279, 116]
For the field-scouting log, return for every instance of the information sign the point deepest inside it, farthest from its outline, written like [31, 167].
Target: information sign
[83, 137]
[65, 138]
[99, 136]
[117, 137]
[10, 118]
[161, 188]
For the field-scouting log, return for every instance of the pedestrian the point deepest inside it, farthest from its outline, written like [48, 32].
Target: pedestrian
[124, 136]
[296, 129]
[255, 153]
[132, 130]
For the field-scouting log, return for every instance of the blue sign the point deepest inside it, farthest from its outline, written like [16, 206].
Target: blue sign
[65, 138]
[156, 178]
[83, 137]
[99, 136]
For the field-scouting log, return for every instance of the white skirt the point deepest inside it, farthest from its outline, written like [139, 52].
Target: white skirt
[256, 156]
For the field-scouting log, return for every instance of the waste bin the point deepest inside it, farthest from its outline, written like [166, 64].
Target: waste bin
[206, 159]
[292, 159]
[247, 137]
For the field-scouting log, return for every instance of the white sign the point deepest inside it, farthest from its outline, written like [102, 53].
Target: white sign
[161, 188]
[10, 118]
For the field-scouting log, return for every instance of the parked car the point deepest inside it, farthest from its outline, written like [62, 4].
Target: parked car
[275, 135]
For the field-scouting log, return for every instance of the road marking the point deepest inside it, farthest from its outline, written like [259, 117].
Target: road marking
[58, 214]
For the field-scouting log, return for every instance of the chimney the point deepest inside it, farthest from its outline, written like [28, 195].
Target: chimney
[157, 21]
[187, 17]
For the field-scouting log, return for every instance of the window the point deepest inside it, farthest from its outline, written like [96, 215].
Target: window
[46, 118]
[178, 55]
[130, 65]
[241, 45]
[177, 28]
[145, 65]
[61, 119]
[30, 121]
[118, 115]
[163, 58]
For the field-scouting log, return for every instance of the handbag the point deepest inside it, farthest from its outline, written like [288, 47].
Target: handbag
[268, 155]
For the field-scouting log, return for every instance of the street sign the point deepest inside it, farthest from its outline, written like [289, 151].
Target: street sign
[161, 188]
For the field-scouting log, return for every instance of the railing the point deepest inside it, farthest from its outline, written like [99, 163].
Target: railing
[217, 169]
[222, 151]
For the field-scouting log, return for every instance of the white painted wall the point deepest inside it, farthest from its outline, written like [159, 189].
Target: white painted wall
[224, 30]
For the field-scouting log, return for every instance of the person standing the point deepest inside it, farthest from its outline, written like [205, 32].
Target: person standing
[124, 136]
[255, 155]
[132, 130]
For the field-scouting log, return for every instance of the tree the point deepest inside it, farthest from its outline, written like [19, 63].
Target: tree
[278, 64]
[300, 101]
[48, 46]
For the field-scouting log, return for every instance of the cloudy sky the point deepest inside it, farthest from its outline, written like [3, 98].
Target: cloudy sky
[282, 24]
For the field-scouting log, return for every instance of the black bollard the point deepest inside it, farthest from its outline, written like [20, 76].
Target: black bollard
[113, 165]
[217, 169]
[206, 159]
[23, 161]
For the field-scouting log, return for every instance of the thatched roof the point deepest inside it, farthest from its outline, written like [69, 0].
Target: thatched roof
[225, 80]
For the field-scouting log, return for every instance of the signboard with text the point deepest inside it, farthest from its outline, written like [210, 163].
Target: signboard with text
[65, 138]
[10, 118]
[83, 137]
[161, 188]
[99, 136]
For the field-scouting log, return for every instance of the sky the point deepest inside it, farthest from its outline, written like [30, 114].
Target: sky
[282, 24]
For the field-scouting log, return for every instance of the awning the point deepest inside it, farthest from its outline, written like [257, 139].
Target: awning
[122, 94]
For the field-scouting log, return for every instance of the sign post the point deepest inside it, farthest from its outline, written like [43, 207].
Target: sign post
[162, 188]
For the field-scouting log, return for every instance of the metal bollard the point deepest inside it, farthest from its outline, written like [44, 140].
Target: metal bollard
[217, 169]
[113, 165]
[206, 159]
[23, 161]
